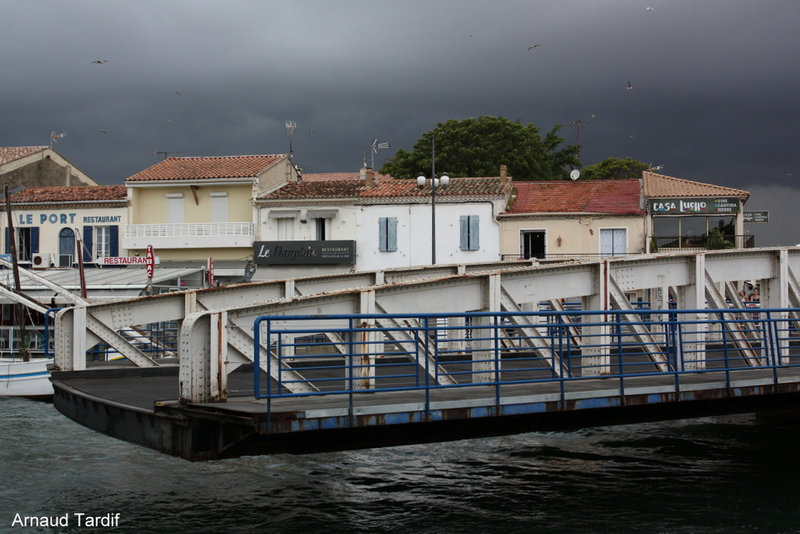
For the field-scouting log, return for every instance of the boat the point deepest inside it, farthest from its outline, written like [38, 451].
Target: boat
[30, 379]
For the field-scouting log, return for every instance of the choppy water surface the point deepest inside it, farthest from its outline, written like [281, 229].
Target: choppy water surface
[725, 474]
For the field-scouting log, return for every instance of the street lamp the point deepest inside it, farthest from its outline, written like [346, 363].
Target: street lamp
[436, 183]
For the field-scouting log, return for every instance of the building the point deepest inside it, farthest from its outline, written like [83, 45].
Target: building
[364, 221]
[685, 214]
[54, 224]
[561, 219]
[34, 166]
[190, 209]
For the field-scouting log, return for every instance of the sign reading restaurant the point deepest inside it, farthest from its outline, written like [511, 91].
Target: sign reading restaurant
[672, 206]
[304, 252]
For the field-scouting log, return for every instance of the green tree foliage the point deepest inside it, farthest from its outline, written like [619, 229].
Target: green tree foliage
[477, 147]
[614, 169]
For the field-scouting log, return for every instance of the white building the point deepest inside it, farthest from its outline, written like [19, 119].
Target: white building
[338, 222]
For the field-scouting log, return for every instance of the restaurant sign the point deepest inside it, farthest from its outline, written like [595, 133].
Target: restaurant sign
[304, 252]
[691, 206]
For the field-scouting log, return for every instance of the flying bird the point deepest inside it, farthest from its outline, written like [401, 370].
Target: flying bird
[178, 93]
[648, 8]
[103, 130]
[533, 46]
[629, 86]
[100, 61]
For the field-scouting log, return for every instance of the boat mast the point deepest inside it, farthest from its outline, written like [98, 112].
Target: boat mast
[24, 348]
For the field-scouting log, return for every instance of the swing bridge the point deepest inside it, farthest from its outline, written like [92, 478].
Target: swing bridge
[435, 353]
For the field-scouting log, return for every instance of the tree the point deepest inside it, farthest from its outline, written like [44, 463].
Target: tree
[614, 169]
[477, 147]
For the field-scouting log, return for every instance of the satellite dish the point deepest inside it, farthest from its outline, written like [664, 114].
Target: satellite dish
[574, 174]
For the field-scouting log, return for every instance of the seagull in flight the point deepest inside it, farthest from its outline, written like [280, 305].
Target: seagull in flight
[178, 93]
[100, 61]
[629, 86]
[533, 46]
[648, 8]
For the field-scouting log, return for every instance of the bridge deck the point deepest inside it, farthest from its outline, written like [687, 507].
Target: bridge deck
[326, 422]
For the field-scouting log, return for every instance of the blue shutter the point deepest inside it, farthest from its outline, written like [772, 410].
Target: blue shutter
[114, 239]
[382, 231]
[464, 224]
[474, 232]
[34, 240]
[391, 244]
[8, 243]
[87, 243]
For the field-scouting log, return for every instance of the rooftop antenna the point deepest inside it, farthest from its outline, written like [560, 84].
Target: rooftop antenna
[54, 137]
[165, 154]
[374, 149]
[578, 127]
[291, 126]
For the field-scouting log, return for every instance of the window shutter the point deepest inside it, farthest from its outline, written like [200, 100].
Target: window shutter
[464, 224]
[34, 240]
[474, 232]
[87, 243]
[382, 232]
[114, 241]
[391, 245]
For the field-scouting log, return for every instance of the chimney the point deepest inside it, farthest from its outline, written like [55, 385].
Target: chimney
[69, 176]
[368, 176]
[503, 174]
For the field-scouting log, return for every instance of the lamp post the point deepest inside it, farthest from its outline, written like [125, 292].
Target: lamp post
[436, 183]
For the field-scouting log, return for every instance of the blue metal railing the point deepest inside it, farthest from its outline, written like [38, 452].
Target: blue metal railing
[354, 354]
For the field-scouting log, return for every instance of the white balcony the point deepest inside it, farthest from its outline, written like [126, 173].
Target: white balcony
[189, 235]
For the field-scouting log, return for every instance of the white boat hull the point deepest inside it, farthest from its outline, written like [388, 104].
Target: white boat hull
[25, 379]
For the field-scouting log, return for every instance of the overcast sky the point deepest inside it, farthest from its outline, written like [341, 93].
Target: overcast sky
[714, 98]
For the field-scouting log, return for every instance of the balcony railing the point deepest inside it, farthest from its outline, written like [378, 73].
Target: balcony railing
[221, 234]
[710, 242]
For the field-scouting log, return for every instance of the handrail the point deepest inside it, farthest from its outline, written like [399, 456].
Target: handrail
[351, 354]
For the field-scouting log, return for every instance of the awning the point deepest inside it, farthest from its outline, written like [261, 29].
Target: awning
[283, 214]
[322, 214]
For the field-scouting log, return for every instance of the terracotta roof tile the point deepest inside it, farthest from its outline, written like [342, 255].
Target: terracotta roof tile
[661, 186]
[64, 194]
[385, 188]
[618, 197]
[206, 168]
[338, 176]
[12, 153]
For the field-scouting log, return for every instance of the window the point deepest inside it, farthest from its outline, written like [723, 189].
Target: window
[613, 241]
[175, 208]
[219, 207]
[100, 242]
[27, 242]
[285, 229]
[470, 225]
[387, 234]
[532, 244]
[321, 225]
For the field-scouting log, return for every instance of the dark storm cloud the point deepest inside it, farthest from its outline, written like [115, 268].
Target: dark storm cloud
[713, 98]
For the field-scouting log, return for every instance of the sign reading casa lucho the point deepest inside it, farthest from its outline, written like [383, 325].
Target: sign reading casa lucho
[304, 252]
[660, 206]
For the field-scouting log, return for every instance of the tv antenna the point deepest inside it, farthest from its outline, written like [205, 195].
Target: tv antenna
[165, 154]
[579, 125]
[54, 137]
[375, 147]
[291, 126]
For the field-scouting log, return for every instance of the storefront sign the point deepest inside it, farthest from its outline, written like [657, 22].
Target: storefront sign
[690, 206]
[304, 252]
[150, 261]
[24, 219]
[756, 216]
[125, 260]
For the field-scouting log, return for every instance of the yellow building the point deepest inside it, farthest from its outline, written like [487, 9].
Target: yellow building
[193, 208]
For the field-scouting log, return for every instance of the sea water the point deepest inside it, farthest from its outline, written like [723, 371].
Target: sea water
[722, 474]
